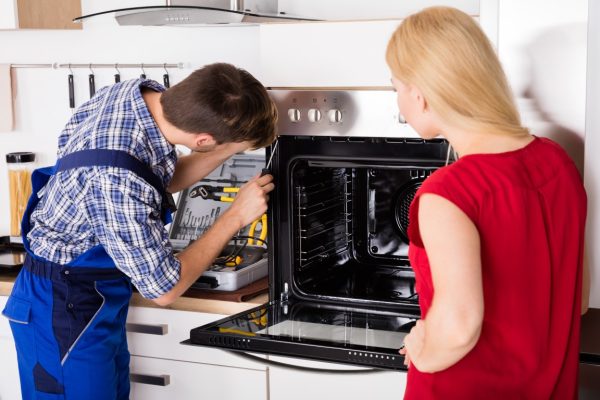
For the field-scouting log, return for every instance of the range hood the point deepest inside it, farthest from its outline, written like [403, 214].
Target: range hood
[202, 12]
[244, 12]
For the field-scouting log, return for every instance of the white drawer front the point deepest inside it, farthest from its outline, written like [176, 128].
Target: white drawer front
[184, 380]
[318, 385]
[10, 387]
[169, 329]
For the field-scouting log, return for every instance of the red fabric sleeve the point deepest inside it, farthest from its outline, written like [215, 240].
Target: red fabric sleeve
[449, 186]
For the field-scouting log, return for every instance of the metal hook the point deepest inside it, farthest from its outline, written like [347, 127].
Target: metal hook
[90, 67]
[117, 68]
[165, 68]
[143, 75]
[70, 70]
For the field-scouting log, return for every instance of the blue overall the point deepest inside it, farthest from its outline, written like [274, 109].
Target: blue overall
[68, 321]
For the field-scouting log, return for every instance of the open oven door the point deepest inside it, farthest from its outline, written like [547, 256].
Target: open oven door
[316, 331]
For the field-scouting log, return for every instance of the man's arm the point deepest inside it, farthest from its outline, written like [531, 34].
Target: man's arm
[250, 203]
[194, 167]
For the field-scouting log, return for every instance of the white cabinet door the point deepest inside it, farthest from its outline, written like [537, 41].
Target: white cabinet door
[10, 388]
[328, 384]
[167, 379]
[8, 14]
[156, 332]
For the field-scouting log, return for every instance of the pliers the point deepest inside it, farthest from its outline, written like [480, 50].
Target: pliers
[263, 231]
[208, 192]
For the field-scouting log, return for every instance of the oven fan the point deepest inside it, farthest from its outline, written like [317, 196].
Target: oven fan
[403, 199]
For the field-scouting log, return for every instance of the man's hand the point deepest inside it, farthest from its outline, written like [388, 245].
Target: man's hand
[251, 201]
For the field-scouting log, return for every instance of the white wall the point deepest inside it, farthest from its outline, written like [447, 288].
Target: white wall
[542, 44]
[42, 94]
[592, 146]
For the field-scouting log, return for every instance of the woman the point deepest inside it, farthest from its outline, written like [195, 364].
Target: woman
[496, 237]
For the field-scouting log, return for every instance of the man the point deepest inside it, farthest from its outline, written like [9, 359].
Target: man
[95, 223]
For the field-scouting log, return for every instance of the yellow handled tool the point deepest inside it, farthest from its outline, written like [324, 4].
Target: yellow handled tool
[263, 230]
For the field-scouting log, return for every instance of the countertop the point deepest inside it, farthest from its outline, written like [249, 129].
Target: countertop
[183, 303]
[590, 322]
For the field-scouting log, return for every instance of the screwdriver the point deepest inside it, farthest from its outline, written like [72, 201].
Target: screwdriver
[266, 170]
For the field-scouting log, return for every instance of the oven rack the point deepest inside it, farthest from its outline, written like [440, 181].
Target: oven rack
[323, 222]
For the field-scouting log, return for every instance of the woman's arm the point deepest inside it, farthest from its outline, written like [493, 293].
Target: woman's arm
[453, 323]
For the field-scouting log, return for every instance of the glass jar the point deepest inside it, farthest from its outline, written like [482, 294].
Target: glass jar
[20, 167]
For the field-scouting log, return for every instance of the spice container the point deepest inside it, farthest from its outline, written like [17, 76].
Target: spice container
[20, 167]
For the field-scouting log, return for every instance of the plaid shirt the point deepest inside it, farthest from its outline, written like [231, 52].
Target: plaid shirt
[84, 207]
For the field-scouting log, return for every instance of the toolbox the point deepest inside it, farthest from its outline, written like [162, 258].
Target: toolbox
[243, 260]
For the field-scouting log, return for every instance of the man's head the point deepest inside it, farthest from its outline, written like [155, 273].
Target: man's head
[225, 102]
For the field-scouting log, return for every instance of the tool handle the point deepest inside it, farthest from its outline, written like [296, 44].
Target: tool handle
[92, 82]
[71, 92]
[265, 171]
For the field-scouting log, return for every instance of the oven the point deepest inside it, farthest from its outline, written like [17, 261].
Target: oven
[341, 288]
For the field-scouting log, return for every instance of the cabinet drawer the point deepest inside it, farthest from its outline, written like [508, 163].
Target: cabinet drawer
[166, 379]
[364, 384]
[5, 332]
[10, 386]
[154, 332]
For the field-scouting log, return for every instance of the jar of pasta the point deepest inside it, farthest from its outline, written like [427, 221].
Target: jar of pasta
[20, 167]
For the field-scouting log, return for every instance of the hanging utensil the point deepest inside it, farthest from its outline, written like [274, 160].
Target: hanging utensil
[92, 82]
[143, 75]
[167, 84]
[118, 74]
[71, 89]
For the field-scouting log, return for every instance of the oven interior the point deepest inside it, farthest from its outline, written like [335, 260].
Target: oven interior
[348, 219]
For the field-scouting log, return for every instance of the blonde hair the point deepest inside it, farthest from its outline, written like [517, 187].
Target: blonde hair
[443, 52]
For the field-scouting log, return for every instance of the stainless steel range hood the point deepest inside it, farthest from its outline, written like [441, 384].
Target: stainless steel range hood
[243, 12]
[202, 12]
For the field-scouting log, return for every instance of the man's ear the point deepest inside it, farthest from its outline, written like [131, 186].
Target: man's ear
[204, 139]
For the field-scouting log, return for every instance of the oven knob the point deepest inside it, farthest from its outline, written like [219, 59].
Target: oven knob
[294, 114]
[334, 115]
[314, 115]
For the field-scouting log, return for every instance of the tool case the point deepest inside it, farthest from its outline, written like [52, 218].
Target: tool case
[195, 215]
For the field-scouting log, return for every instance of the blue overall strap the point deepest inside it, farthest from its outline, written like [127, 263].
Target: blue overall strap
[120, 159]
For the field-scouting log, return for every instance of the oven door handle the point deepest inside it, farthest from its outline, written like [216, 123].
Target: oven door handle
[301, 368]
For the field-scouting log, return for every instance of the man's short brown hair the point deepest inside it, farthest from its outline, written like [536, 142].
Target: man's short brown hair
[225, 101]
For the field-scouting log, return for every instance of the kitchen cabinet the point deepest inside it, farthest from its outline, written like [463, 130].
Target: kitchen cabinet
[168, 379]
[39, 14]
[162, 368]
[326, 383]
[10, 388]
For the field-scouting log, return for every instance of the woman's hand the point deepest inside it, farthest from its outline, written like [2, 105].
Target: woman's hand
[413, 343]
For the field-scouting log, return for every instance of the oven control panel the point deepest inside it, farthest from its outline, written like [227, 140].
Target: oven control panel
[365, 112]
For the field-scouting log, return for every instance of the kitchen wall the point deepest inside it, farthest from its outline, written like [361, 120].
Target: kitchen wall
[542, 44]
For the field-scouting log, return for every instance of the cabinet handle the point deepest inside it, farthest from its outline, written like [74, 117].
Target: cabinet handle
[160, 329]
[156, 380]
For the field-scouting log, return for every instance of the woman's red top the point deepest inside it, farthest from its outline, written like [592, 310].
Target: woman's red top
[529, 206]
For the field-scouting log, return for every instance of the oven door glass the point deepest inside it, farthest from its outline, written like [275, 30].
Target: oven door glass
[314, 331]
